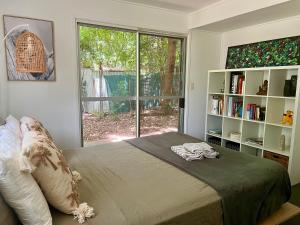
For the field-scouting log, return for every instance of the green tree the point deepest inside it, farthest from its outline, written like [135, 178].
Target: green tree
[117, 49]
[106, 47]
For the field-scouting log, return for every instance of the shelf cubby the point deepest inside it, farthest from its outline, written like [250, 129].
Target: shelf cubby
[254, 79]
[277, 107]
[251, 150]
[211, 109]
[214, 123]
[277, 80]
[252, 130]
[217, 82]
[258, 101]
[214, 140]
[272, 141]
[235, 98]
[229, 126]
[228, 82]
[231, 145]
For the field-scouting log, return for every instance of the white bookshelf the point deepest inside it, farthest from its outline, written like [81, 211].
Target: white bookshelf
[270, 129]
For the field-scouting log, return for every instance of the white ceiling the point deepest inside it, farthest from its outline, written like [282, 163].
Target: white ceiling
[179, 5]
[276, 12]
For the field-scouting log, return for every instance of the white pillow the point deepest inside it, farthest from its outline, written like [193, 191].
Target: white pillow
[20, 190]
[14, 125]
[10, 143]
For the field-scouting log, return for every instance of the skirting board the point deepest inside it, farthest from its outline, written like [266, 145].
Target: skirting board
[286, 212]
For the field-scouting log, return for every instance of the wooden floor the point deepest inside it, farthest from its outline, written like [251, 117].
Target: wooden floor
[285, 213]
[295, 199]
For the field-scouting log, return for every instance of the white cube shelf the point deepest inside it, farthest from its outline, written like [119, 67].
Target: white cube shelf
[270, 129]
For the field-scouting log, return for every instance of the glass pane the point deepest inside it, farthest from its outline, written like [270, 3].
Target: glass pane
[108, 62]
[159, 116]
[160, 66]
[108, 121]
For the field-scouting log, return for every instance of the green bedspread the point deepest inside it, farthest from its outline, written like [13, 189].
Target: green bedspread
[251, 188]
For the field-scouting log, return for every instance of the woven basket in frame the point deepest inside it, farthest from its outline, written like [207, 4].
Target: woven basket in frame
[30, 54]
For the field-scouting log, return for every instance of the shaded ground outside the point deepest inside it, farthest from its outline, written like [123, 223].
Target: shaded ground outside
[111, 127]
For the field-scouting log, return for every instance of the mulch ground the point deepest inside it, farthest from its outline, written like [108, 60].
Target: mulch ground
[116, 127]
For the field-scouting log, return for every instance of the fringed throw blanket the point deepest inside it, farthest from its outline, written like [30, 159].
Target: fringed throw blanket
[251, 188]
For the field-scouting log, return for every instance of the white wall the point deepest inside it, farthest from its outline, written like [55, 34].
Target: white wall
[272, 30]
[204, 54]
[56, 104]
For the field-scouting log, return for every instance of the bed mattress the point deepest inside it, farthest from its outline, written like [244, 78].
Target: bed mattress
[127, 186]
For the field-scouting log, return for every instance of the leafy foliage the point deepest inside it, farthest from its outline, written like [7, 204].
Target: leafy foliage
[112, 49]
[106, 47]
[117, 49]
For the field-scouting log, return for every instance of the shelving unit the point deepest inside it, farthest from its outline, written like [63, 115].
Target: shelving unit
[270, 129]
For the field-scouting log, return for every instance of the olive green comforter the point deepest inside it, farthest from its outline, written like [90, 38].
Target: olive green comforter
[127, 186]
[251, 188]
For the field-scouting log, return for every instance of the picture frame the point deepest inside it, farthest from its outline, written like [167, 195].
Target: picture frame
[15, 26]
[276, 52]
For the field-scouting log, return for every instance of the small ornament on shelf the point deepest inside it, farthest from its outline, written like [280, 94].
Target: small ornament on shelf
[282, 143]
[223, 87]
[263, 89]
[287, 118]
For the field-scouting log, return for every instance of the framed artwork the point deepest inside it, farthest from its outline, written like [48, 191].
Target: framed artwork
[278, 52]
[42, 30]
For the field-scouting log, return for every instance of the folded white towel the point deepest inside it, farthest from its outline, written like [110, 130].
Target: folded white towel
[194, 147]
[195, 151]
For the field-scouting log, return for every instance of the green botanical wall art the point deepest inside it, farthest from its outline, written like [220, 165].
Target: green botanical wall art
[279, 52]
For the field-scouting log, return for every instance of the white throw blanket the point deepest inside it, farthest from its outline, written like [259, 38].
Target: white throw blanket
[195, 151]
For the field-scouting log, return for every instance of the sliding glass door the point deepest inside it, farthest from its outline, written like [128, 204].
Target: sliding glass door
[130, 83]
[160, 84]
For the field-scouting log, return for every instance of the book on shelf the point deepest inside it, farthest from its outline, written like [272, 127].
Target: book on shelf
[232, 145]
[235, 135]
[235, 107]
[255, 112]
[215, 132]
[217, 105]
[255, 141]
[237, 83]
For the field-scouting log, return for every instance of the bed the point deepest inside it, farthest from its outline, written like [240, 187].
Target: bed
[131, 184]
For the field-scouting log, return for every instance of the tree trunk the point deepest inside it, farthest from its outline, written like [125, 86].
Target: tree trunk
[168, 76]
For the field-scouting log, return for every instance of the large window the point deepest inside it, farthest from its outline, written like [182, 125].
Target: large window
[130, 83]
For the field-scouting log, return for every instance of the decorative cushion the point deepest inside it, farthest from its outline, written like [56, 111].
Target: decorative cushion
[51, 171]
[20, 190]
[31, 124]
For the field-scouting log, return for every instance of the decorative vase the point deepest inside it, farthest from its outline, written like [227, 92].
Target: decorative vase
[282, 142]
[293, 85]
[287, 88]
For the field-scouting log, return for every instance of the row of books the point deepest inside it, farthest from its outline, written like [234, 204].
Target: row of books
[255, 112]
[215, 132]
[235, 107]
[255, 141]
[237, 83]
[217, 105]
[232, 145]
[214, 140]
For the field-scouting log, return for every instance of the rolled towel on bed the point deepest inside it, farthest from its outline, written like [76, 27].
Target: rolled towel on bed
[194, 147]
[195, 151]
[187, 155]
